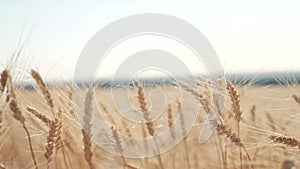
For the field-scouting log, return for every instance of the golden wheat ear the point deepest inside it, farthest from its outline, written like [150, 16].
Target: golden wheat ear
[229, 134]
[87, 128]
[44, 89]
[150, 125]
[285, 140]
[52, 140]
[235, 101]
[236, 110]
[17, 113]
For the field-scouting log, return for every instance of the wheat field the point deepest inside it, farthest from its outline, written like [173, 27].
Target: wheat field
[40, 127]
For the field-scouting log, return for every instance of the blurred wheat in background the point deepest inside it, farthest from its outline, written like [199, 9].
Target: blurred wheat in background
[40, 129]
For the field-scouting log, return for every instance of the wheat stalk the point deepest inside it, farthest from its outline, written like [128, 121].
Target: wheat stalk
[54, 134]
[171, 127]
[183, 132]
[17, 113]
[48, 98]
[271, 121]
[119, 148]
[1, 113]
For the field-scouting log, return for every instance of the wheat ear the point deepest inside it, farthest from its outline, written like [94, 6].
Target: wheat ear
[285, 140]
[236, 109]
[4, 79]
[146, 115]
[119, 148]
[171, 122]
[39, 115]
[17, 113]
[253, 114]
[171, 128]
[44, 89]
[48, 98]
[229, 134]
[235, 100]
[107, 114]
[53, 135]
[87, 128]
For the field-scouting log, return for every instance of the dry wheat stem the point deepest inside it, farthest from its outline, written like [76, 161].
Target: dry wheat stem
[119, 148]
[171, 128]
[183, 132]
[1, 113]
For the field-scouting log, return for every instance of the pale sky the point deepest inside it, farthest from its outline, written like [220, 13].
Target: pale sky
[252, 36]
